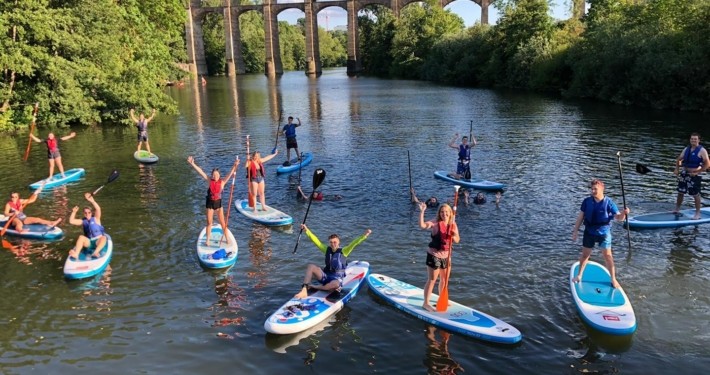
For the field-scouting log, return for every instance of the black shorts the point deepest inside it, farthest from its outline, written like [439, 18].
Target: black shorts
[291, 143]
[213, 204]
[53, 154]
[436, 263]
[142, 137]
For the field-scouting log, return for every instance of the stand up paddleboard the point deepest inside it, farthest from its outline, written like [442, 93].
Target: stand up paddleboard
[474, 184]
[279, 343]
[216, 254]
[57, 180]
[85, 266]
[295, 165]
[33, 231]
[298, 315]
[669, 219]
[457, 318]
[145, 157]
[604, 308]
[271, 217]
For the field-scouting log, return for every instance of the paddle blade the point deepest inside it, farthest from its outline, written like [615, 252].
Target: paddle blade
[640, 168]
[113, 176]
[318, 177]
[443, 303]
[6, 244]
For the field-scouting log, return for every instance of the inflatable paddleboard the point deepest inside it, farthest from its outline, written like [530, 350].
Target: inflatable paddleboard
[298, 315]
[34, 231]
[604, 308]
[457, 318]
[279, 343]
[86, 266]
[57, 180]
[270, 217]
[474, 184]
[145, 157]
[216, 254]
[295, 165]
[669, 219]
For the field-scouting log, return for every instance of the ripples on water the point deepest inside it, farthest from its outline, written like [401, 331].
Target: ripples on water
[156, 310]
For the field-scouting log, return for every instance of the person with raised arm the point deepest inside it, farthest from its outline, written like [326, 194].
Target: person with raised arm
[94, 233]
[142, 126]
[14, 211]
[444, 231]
[53, 154]
[463, 167]
[213, 201]
[692, 161]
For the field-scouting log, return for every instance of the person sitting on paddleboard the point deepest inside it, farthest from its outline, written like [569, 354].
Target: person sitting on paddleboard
[331, 276]
[463, 168]
[597, 212]
[317, 195]
[431, 202]
[53, 154]
[289, 131]
[255, 175]
[15, 207]
[93, 230]
[213, 200]
[693, 160]
[443, 232]
[142, 126]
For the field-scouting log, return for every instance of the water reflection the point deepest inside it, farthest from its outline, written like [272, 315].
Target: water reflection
[275, 99]
[99, 287]
[260, 255]
[227, 311]
[683, 251]
[147, 185]
[598, 352]
[314, 103]
[235, 104]
[437, 359]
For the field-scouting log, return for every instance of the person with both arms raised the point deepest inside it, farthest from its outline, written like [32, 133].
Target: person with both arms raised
[693, 160]
[463, 168]
[93, 230]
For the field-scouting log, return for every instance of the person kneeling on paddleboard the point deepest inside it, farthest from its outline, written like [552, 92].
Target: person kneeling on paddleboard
[331, 276]
[93, 230]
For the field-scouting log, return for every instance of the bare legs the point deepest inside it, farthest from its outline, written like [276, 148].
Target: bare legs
[608, 260]
[19, 225]
[697, 201]
[84, 242]
[311, 271]
[432, 275]
[210, 213]
[223, 223]
[257, 189]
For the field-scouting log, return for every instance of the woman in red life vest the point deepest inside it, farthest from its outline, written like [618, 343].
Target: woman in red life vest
[15, 206]
[443, 232]
[214, 194]
[53, 151]
[255, 175]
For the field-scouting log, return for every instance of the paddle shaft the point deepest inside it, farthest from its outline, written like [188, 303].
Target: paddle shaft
[443, 303]
[251, 199]
[623, 199]
[229, 206]
[409, 167]
[112, 177]
[32, 128]
[278, 130]
[318, 177]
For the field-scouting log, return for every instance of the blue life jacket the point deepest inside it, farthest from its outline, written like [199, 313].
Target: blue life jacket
[142, 126]
[692, 160]
[598, 215]
[464, 152]
[290, 130]
[91, 228]
[335, 262]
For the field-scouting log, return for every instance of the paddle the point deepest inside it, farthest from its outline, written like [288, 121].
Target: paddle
[32, 128]
[278, 128]
[251, 199]
[623, 197]
[299, 171]
[443, 303]
[22, 207]
[229, 206]
[111, 178]
[409, 166]
[467, 173]
[318, 177]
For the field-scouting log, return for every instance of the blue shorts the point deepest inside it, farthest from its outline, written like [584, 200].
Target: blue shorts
[463, 168]
[688, 184]
[589, 240]
[328, 277]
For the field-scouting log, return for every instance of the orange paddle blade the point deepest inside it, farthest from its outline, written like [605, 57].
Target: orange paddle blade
[443, 303]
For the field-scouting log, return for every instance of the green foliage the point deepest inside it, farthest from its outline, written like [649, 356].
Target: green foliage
[333, 50]
[293, 46]
[251, 26]
[376, 31]
[214, 41]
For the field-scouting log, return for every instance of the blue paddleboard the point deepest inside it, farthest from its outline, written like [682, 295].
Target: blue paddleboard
[271, 217]
[457, 318]
[33, 231]
[295, 165]
[474, 184]
[669, 219]
[217, 253]
[57, 180]
[603, 307]
[85, 266]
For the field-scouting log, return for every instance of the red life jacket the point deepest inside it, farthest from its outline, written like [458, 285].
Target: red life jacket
[16, 206]
[215, 191]
[442, 239]
[252, 169]
[52, 144]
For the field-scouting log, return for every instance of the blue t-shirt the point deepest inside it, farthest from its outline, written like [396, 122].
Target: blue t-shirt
[598, 215]
[290, 130]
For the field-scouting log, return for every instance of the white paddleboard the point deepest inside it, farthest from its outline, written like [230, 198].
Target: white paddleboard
[216, 254]
[85, 266]
[270, 217]
[298, 315]
[604, 308]
[457, 318]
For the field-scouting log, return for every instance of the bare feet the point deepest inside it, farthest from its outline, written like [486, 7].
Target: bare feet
[302, 294]
[73, 254]
[697, 216]
[96, 255]
[615, 284]
[55, 222]
[428, 307]
[576, 279]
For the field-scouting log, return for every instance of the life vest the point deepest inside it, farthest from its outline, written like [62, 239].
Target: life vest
[252, 169]
[215, 190]
[17, 207]
[91, 228]
[464, 152]
[441, 240]
[597, 216]
[335, 262]
[290, 130]
[142, 125]
[692, 160]
[52, 144]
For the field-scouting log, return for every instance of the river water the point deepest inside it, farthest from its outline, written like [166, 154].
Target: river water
[155, 310]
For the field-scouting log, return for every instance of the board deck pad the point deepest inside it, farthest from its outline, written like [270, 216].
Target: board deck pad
[474, 184]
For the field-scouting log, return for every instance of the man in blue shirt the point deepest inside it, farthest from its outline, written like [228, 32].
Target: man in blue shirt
[597, 212]
[289, 131]
[692, 161]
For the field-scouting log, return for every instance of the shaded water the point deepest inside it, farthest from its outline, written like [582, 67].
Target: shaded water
[156, 310]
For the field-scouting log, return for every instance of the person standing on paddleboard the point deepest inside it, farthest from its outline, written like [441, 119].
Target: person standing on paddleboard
[213, 201]
[443, 231]
[331, 276]
[142, 126]
[15, 206]
[255, 175]
[463, 168]
[93, 230]
[597, 212]
[690, 163]
[53, 154]
[289, 131]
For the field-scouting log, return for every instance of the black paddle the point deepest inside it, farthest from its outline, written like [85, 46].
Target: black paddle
[111, 178]
[409, 166]
[278, 130]
[467, 173]
[318, 177]
[623, 197]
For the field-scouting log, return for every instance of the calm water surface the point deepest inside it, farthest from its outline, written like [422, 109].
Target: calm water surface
[155, 310]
